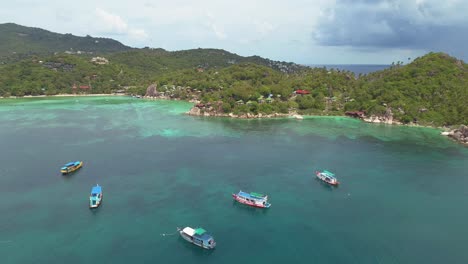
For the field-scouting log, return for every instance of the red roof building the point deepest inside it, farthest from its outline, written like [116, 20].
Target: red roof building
[302, 92]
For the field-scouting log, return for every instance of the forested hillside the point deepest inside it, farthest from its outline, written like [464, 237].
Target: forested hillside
[16, 40]
[432, 90]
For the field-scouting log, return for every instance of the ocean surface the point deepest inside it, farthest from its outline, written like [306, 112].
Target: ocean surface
[403, 196]
[355, 68]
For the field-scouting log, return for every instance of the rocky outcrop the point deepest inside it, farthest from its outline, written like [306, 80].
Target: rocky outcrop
[387, 118]
[152, 91]
[460, 134]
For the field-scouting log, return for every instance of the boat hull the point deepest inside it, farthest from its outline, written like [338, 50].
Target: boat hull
[242, 201]
[72, 169]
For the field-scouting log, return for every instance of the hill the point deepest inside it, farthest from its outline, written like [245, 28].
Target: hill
[153, 61]
[20, 42]
[17, 39]
[433, 89]
[59, 73]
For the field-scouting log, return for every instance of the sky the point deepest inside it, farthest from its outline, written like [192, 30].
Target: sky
[301, 31]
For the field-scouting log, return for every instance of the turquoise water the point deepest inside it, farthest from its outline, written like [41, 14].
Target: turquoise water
[403, 197]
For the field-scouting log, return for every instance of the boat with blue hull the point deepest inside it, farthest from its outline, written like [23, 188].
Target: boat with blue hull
[198, 236]
[252, 199]
[95, 198]
[71, 167]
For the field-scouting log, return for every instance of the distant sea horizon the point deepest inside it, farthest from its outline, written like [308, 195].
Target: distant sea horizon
[356, 68]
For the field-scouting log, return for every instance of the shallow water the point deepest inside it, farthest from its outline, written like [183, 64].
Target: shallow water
[402, 199]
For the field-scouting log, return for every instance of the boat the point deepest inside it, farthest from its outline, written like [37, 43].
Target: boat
[199, 237]
[327, 177]
[71, 167]
[252, 199]
[96, 196]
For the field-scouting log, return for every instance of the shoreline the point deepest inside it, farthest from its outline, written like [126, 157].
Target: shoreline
[195, 111]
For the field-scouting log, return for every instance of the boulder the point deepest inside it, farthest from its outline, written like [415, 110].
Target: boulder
[195, 111]
[464, 130]
[152, 90]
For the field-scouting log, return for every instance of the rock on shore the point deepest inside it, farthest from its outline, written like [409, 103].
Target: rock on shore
[387, 118]
[460, 134]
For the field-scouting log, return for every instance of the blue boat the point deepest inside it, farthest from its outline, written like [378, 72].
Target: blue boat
[71, 167]
[199, 237]
[96, 196]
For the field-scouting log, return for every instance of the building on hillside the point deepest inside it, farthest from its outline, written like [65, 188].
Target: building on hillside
[302, 92]
[100, 60]
[76, 88]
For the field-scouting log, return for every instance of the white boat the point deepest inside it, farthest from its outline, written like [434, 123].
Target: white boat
[327, 177]
[96, 197]
[198, 236]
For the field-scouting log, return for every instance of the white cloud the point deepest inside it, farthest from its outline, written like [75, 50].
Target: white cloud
[114, 24]
[276, 29]
[215, 27]
[263, 27]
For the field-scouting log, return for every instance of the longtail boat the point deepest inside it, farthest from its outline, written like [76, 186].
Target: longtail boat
[71, 167]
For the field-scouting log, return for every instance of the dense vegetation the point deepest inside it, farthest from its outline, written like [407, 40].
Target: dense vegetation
[16, 39]
[156, 61]
[431, 90]
[58, 74]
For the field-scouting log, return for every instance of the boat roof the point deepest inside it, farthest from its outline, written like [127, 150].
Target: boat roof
[189, 231]
[96, 189]
[327, 173]
[72, 163]
[252, 195]
[198, 232]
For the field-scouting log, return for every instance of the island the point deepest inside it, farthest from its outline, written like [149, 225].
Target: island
[430, 90]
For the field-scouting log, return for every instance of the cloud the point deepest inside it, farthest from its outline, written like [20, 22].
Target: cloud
[215, 27]
[403, 24]
[263, 27]
[114, 24]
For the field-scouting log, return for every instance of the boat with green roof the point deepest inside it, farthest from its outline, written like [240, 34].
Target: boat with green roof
[198, 236]
[327, 177]
[252, 199]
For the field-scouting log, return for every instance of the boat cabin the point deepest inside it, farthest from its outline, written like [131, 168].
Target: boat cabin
[199, 237]
[95, 197]
[327, 177]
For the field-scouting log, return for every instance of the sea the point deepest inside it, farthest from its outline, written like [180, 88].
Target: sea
[355, 68]
[403, 196]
